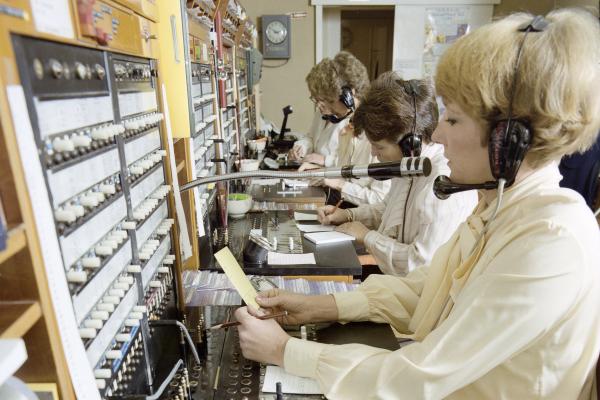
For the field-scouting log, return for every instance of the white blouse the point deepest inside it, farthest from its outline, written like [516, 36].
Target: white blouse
[426, 221]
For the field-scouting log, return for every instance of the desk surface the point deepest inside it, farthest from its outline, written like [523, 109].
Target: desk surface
[332, 259]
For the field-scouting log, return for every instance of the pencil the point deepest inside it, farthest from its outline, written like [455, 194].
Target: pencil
[236, 323]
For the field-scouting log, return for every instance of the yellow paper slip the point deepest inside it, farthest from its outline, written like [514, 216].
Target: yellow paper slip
[235, 274]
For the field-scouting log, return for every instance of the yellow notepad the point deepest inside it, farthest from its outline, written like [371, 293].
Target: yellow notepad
[237, 277]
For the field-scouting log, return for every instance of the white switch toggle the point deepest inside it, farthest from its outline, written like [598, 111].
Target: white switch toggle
[108, 188]
[134, 269]
[76, 276]
[91, 262]
[102, 373]
[102, 250]
[100, 384]
[89, 201]
[136, 315]
[168, 261]
[65, 216]
[140, 309]
[129, 225]
[87, 333]
[61, 145]
[126, 279]
[110, 243]
[101, 315]
[155, 284]
[113, 354]
[93, 323]
[116, 292]
[81, 140]
[122, 337]
[100, 196]
[111, 299]
[78, 210]
[132, 322]
[121, 286]
[108, 307]
[163, 270]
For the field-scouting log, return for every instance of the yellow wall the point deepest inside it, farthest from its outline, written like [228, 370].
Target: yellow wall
[286, 85]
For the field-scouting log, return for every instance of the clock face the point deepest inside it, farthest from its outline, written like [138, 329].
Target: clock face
[276, 32]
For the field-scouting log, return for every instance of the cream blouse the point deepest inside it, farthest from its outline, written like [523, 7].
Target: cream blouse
[515, 317]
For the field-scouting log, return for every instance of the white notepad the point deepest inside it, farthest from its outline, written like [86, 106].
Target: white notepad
[300, 216]
[327, 237]
[290, 384]
[315, 228]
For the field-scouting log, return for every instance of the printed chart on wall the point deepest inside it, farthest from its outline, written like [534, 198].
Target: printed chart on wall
[443, 26]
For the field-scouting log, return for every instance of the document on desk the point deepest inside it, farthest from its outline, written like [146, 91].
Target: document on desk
[265, 181]
[327, 237]
[315, 228]
[295, 183]
[237, 277]
[300, 216]
[274, 258]
[290, 384]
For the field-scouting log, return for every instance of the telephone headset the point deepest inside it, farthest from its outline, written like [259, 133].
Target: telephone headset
[509, 140]
[410, 144]
[347, 99]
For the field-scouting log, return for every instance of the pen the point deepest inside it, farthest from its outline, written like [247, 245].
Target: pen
[339, 203]
[236, 323]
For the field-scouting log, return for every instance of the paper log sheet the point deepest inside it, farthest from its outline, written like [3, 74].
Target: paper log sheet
[290, 384]
[237, 277]
[274, 258]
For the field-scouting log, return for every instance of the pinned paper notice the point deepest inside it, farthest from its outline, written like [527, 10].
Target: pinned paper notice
[237, 277]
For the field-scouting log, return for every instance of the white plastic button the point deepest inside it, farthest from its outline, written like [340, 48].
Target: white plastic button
[87, 333]
[76, 276]
[102, 373]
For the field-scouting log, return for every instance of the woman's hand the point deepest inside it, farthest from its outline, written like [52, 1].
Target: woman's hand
[315, 158]
[261, 340]
[356, 229]
[330, 215]
[296, 153]
[308, 166]
[300, 309]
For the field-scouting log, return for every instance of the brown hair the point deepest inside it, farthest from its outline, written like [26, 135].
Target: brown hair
[387, 111]
[325, 80]
[557, 84]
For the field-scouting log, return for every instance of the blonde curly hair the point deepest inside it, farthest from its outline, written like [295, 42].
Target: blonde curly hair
[325, 80]
[558, 83]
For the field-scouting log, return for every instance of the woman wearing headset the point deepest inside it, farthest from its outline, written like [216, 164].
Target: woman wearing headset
[508, 307]
[404, 230]
[337, 86]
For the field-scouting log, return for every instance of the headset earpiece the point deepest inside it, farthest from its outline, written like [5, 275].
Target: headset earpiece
[347, 98]
[411, 143]
[508, 144]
